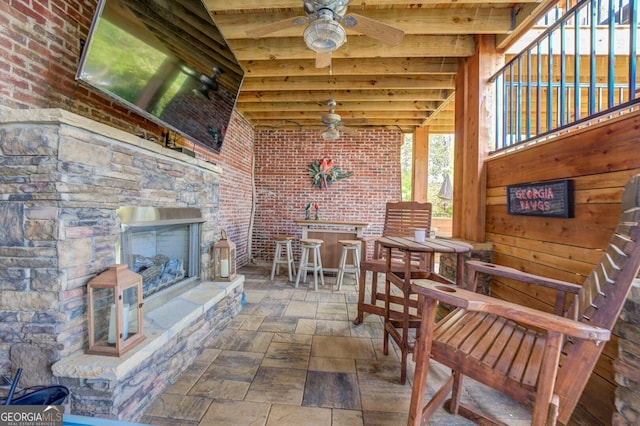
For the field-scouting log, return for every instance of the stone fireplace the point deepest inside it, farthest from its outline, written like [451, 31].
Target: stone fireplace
[65, 179]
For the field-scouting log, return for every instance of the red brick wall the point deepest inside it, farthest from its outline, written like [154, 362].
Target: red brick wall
[236, 199]
[39, 52]
[284, 187]
[40, 49]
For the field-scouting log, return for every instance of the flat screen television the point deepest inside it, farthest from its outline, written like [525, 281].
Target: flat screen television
[168, 62]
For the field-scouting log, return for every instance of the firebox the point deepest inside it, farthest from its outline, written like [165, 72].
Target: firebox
[162, 245]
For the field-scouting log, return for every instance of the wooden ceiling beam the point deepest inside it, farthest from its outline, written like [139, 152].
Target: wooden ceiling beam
[346, 66]
[441, 113]
[481, 20]
[400, 87]
[355, 82]
[345, 95]
[321, 107]
[346, 116]
[237, 5]
[407, 128]
[441, 129]
[357, 47]
[525, 17]
[439, 118]
[316, 124]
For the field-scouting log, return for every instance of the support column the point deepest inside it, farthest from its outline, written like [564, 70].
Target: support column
[420, 166]
[475, 112]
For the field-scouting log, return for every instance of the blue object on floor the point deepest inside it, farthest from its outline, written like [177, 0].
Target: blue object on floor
[74, 420]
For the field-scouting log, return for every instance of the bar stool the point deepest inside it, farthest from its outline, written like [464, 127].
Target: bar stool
[310, 244]
[353, 247]
[283, 256]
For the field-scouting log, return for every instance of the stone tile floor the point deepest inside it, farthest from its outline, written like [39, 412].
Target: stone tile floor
[294, 357]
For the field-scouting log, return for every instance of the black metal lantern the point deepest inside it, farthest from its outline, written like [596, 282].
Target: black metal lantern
[224, 259]
[115, 311]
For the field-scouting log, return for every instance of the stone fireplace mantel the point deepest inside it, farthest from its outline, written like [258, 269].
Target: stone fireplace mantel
[55, 116]
[63, 178]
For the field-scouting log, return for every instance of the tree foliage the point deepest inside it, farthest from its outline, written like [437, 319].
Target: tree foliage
[406, 153]
[440, 166]
[122, 64]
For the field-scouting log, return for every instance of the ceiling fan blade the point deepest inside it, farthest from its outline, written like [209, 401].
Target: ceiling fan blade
[276, 26]
[323, 60]
[309, 6]
[374, 29]
[347, 130]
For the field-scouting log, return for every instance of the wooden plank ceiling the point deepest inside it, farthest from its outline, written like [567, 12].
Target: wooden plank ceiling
[374, 84]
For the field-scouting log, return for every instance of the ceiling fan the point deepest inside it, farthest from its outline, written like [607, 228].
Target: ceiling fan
[324, 34]
[333, 123]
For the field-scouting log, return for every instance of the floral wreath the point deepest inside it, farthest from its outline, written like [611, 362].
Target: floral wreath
[323, 173]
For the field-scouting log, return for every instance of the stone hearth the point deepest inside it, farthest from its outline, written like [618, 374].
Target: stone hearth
[176, 333]
[63, 177]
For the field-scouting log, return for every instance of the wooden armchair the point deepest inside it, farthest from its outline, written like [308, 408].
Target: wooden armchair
[400, 220]
[538, 358]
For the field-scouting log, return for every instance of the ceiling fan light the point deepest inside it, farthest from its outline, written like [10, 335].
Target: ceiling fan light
[331, 134]
[324, 36]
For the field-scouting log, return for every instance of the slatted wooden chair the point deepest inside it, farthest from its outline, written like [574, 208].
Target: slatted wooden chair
[538, 358]
[400, 220]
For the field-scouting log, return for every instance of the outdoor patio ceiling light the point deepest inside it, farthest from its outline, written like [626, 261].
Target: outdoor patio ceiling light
[331, 134]
[324, 35]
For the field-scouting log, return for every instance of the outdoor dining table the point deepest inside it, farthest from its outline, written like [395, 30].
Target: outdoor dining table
[397, 323]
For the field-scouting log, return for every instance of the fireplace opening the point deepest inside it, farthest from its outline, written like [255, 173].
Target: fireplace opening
[163, 246]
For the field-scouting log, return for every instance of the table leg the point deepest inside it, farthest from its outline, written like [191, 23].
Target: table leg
[401, 338]
[387, 302]
[406, 292]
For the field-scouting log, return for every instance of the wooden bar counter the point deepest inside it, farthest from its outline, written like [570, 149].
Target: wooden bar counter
[331, 232]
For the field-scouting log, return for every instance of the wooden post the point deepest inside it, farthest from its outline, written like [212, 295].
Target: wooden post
[420, 165]
[475, 112]
[459, 148]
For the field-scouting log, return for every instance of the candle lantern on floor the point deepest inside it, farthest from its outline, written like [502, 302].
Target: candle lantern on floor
[115, 311]
[224, 259]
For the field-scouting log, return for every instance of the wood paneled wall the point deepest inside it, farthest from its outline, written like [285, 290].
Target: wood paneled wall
[599, 159]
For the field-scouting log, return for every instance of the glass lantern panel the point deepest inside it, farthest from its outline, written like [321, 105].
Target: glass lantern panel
[232, 259]
[130, 314]
[103, 322]
[224, 262]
